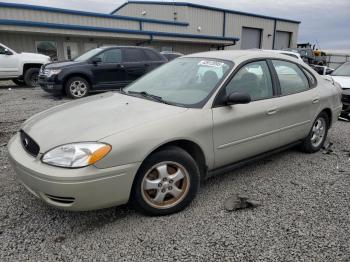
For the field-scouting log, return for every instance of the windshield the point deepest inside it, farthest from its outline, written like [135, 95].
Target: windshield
[343, 70]
[88, 55]
[185, 81]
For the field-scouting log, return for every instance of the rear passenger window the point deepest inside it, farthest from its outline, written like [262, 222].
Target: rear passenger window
[292, 79]
[133, 55]
[152, 56]
[253, 79]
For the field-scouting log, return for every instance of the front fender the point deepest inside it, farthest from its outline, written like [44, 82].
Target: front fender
[68, 73]
[136, 144]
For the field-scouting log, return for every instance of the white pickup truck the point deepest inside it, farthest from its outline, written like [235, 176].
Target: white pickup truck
[21, 68]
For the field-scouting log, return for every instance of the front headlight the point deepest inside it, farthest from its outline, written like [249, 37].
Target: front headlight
[51, 72]
[76, 155]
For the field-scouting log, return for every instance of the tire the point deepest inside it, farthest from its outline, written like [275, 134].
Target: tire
[318, 134]
[18, 82]
[31, 77]
[77, 87]
[172, 178]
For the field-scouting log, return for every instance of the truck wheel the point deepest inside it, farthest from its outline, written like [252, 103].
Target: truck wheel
[18, 82]
[77, 87]
[31, 77]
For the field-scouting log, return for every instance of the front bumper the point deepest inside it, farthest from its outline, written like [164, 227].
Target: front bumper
[50, 84]
[77, 189]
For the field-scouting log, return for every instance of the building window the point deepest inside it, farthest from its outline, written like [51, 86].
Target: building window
[48, 48]
[71, 50]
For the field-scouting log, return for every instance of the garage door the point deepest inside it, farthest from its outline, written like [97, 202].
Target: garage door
[251, 38]
[282, 40]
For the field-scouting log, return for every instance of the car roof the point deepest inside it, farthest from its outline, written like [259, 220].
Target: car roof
[125, 46]
[282, 52]
[171, 53]
[234, 55]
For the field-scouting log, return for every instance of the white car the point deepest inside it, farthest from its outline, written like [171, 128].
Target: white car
[21, 68]
[342, 76]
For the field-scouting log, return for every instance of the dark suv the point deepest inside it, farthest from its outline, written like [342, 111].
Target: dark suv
[99, 69]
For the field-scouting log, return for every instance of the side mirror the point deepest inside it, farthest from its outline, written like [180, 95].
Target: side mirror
[96, 60]
[238, 98]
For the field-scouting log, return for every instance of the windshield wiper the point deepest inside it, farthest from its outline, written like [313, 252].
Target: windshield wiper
[148, 95]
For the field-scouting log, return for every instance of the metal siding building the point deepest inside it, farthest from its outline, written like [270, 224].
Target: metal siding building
[177, 26]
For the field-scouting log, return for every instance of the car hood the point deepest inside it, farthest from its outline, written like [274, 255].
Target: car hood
[55, 65]
[94, 118]
[28, 56]
[344, 81]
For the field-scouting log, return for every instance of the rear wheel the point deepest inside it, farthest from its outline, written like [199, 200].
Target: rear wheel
[166, 182]
[318, 134]
[77, 87]
[31, 77]
[18, 82]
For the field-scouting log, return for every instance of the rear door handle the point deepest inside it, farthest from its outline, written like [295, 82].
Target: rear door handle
[315, 100]
[271, 111]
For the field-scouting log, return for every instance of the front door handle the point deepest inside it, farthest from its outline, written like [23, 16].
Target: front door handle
[120, 66]
[315, 100]
[272, 111]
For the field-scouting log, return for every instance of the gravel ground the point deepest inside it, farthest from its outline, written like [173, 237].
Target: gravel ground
[304, 212]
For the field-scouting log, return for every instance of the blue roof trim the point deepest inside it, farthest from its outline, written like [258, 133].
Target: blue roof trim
[205, 7]
[111, 30]
[75, 12]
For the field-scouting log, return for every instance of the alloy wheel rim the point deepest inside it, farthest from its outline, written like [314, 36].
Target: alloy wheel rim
[78, 88]
[165, 185]
[318, 132]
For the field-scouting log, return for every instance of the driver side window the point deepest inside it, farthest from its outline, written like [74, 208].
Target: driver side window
[254, 79]
[2, 50]
[111, 56]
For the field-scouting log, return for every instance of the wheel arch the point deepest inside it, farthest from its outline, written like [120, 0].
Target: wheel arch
[192, 148]
[328, 111]
[30, 65]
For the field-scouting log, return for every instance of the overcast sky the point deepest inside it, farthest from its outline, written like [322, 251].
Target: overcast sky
[324, 22]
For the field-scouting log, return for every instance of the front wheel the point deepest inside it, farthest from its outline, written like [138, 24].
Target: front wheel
[318, 134]
[77, 87]
[166, 182]
[31, 77]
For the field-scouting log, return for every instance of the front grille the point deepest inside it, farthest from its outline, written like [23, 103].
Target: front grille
[29, 144]
[61, 200]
